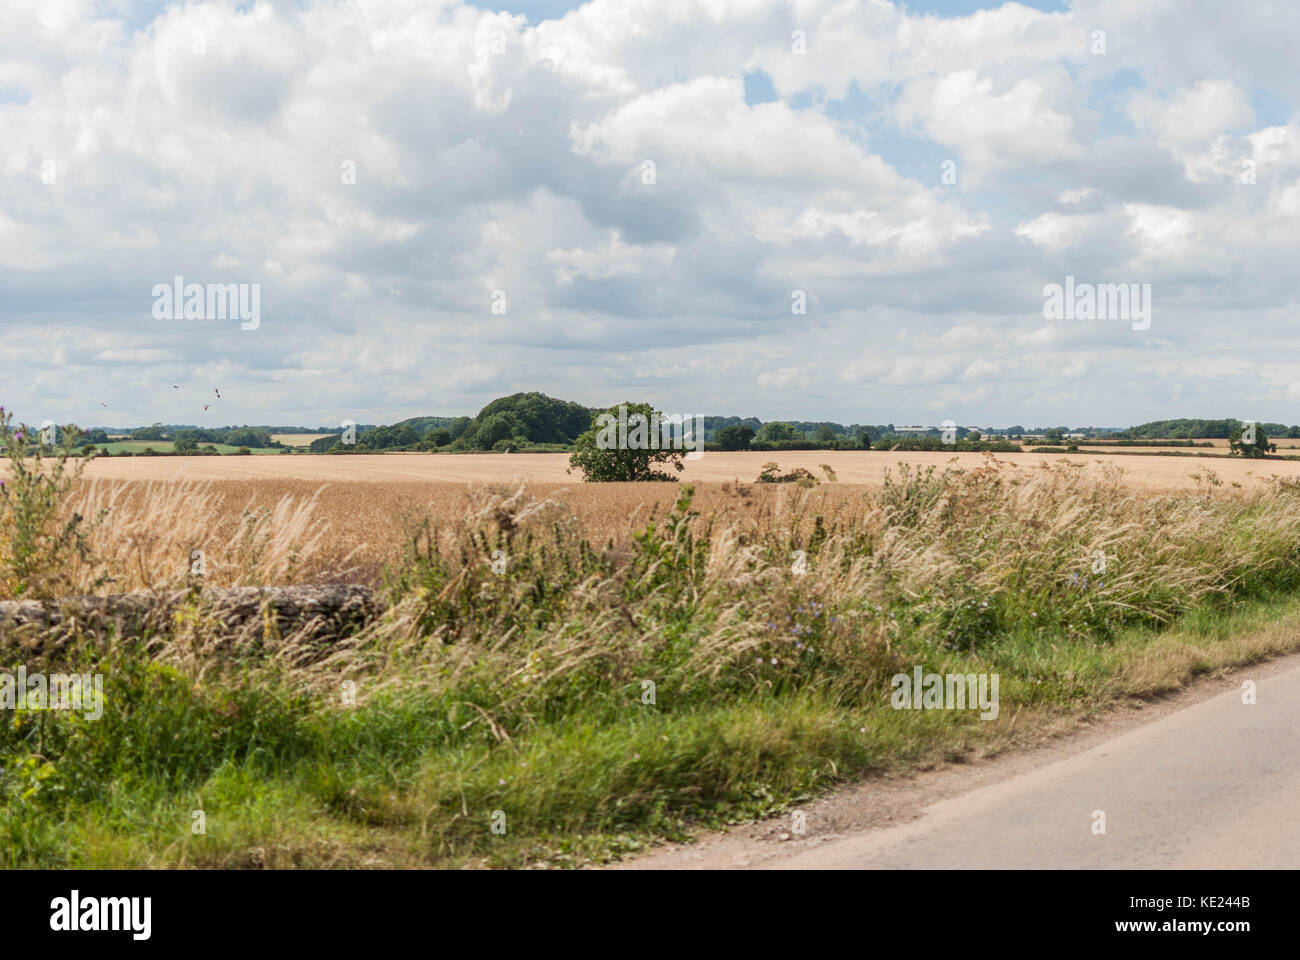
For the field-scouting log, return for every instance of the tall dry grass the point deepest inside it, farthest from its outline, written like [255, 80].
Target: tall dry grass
[171, 535]
[309, 532]
[991, 532]
[981, 564]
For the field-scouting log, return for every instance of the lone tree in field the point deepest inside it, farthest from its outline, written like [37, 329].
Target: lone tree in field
[622, 452]
[1240, 445]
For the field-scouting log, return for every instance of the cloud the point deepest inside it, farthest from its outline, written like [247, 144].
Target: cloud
[1210, 108]
[382, 167]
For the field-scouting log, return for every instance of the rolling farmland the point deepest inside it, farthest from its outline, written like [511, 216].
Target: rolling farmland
[851, 467]
[359, 509]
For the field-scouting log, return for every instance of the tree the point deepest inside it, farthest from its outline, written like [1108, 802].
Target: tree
[530, 416]
[197, 435]
[602, 456]
[439, 437]
[1053, 435]
[734, 438]
[495, 427]
[247, 437]
[459, 426]
[824, 434]
[776, 432]
[186, 445]
[394, 437]
[1238, 445]
[864, 438]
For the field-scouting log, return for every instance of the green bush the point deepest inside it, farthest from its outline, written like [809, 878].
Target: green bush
[40, 543]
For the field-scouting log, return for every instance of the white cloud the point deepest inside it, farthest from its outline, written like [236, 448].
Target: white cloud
[1025, 124]
[521, 170]
[1194, 114]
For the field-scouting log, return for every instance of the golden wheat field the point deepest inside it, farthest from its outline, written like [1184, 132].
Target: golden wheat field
[1219, 447]
[1168, 473]
[342, 518]
[284, 530]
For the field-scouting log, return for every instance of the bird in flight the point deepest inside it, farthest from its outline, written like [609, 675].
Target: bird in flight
[218, 393]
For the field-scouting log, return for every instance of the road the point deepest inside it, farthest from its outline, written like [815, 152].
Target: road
[1212, 785]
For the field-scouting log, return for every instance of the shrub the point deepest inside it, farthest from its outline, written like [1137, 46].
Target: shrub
[40, 546]
[805, 478]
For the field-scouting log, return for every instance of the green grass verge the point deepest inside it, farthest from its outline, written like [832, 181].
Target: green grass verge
[404, 780]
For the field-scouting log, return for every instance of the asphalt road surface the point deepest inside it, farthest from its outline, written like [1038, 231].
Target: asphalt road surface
[1215, 785]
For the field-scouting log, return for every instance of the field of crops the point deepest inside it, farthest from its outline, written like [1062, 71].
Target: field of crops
[348, 531]
[1218, 447]
[343, 518]
[851, 467]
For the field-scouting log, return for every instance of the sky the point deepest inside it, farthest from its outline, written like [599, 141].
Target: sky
[440, 203]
